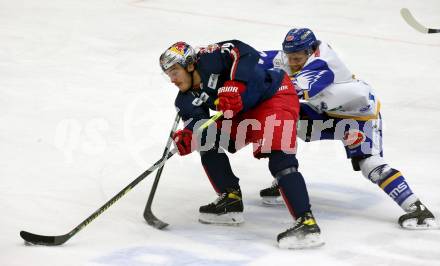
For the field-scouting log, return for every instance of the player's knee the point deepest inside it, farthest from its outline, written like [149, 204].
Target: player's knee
[374, 168]
[281, 164]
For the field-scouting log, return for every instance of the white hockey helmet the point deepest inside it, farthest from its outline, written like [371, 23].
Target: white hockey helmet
[179, 53]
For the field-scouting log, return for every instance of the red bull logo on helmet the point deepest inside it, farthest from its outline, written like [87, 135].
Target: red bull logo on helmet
[179, 48]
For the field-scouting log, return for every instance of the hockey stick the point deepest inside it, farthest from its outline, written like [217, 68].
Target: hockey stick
[408, 17]
[35, 239]
[60, 239]
[148, 213]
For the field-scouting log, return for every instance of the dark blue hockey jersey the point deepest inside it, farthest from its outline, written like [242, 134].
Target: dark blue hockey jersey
[223, 61]
[191, 108]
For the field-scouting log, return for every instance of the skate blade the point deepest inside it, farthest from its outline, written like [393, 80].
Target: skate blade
[429, 224]
[232, 218]
[273, 201]
[310, 241]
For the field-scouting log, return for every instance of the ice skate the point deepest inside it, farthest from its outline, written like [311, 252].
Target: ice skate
[305, 233]
[418, 218]
[271, 195]
[227, 209]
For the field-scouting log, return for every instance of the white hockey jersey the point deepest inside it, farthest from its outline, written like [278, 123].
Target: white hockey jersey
[327, 85]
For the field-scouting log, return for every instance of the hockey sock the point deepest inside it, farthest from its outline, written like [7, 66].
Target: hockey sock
[294, 191]
[292, 186]
[218, 169]
[394, 184]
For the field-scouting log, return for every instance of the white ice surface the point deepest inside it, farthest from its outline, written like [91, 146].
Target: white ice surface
[84, 109]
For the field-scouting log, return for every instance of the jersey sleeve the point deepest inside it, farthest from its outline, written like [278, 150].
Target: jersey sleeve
[268, 59]
[240, 59]
[313, 79]
[235, 60]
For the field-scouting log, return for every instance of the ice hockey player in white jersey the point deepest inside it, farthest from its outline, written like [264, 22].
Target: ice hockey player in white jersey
[337, 106]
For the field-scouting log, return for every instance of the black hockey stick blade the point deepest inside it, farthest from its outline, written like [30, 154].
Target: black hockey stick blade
[154, 221]
[409, 18]
[433, 30]
[148, 213]
[35, 239]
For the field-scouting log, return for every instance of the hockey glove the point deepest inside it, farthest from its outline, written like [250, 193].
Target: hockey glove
[182, 139]
[229, 98]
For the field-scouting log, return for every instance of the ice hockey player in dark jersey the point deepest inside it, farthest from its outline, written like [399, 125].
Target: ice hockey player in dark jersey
[226, 76]
[334, 98]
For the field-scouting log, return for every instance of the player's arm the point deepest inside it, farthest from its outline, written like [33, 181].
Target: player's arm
[270, 59]
[191, 112]
[239, 58]
[315, 84]
[313, 79]
[239, 61]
